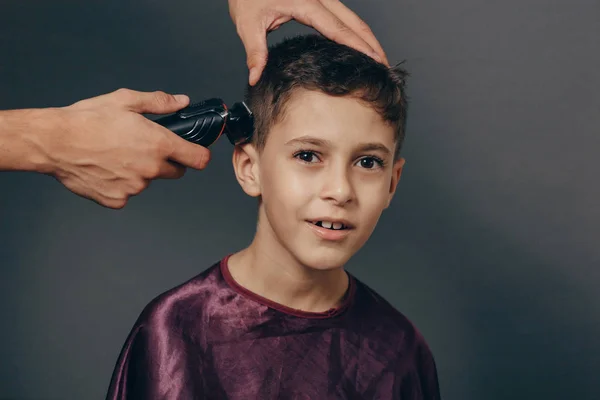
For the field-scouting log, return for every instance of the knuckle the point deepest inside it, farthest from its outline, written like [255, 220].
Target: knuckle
[308, 7]
[163, 146]
[152, 171]
[240, 28]
[364, 27]
[140, 186]
[157, 143]
[162, 98]
[137, 186]
[124, 93]
[256, 58]
[341, 26]
[126, 96]
[307, 3]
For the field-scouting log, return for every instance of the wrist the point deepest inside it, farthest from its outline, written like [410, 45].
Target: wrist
[47, 126]
[25, 138]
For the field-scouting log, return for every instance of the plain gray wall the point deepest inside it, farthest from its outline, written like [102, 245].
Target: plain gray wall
[490, 246]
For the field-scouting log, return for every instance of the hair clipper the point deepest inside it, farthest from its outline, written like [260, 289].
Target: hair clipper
[203, 123]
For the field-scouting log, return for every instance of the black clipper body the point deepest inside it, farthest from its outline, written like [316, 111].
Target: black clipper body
[203, 123]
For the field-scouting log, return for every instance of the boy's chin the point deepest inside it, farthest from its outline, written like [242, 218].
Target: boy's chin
[325, 261]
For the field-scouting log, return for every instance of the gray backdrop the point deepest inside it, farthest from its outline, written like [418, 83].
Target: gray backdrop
[489, 246]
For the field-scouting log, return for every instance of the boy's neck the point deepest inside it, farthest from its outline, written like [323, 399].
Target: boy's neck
[271, 272]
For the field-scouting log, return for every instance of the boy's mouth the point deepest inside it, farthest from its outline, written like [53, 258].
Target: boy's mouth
[333, 225]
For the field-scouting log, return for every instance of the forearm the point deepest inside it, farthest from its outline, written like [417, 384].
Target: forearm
[21, 134]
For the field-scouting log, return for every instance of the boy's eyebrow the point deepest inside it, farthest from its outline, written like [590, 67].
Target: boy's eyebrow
[375, 147]
[309, 140]
[326, 143]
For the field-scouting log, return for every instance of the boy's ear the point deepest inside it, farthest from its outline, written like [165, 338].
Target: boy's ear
[396, 173]
[245, 165]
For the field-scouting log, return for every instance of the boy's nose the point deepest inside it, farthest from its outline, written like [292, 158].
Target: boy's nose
[337, 185]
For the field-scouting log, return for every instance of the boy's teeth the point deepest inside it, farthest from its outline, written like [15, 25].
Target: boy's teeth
[329, 225]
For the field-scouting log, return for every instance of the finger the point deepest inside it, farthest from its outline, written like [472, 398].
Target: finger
[188, 154]
[157, 102]
[354, 22]
[255, 42]
[314, 14]
[171, 170]
[115, 204]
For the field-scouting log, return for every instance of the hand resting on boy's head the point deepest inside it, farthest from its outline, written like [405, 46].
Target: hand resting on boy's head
[255, 18]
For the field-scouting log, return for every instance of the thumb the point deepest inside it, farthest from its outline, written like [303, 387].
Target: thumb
[157, 102]
[255, 43]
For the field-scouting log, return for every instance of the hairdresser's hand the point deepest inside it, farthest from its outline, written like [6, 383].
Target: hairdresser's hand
[255, 18]
[106, 151]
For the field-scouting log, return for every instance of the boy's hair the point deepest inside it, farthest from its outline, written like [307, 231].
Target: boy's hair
[313, 62]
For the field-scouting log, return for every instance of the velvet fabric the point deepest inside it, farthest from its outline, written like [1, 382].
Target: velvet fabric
[209, 338]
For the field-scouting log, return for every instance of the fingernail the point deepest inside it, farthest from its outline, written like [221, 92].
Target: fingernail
[377, 57]
[181, 98]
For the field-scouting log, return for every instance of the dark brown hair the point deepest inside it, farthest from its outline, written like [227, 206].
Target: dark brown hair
[313, 62]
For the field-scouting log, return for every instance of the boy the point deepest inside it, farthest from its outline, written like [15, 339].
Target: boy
[282, 319]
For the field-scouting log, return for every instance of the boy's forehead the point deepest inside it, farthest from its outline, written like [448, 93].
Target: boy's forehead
[335, 119]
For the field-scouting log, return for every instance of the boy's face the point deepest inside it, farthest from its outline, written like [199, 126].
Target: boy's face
[329, 160]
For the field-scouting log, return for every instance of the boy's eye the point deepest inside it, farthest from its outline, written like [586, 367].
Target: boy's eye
[306, 156]
[370, 162]
[367, 162]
